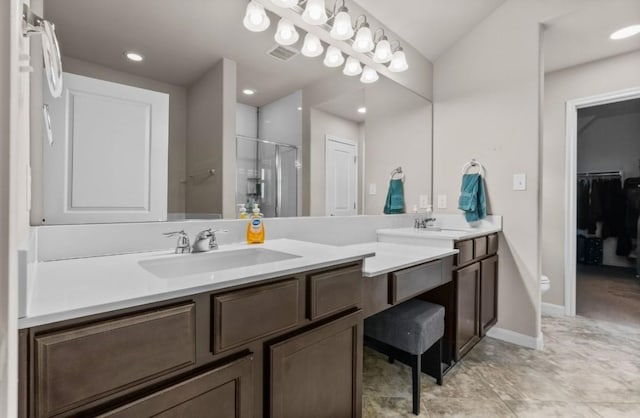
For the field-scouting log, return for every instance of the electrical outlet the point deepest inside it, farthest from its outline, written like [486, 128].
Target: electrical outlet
[424, 201]
[442, 201]
[372, 189]
[519, 182]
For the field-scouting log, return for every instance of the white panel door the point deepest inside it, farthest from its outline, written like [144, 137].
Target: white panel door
[341, 177]
[109, 158]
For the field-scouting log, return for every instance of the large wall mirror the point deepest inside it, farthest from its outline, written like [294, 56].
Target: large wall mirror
[172, 110]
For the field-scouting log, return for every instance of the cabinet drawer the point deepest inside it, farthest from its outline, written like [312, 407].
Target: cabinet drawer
[479, 247]
[246, 315]
[334, 291]
[465, 256]
[492, 244]
[84, 364]
[227, 390]
[411, 282]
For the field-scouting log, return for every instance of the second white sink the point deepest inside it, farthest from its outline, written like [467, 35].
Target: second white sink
[190, 264]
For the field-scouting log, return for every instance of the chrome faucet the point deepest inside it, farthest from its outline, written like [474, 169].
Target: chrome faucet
[183, 245]
[206, 241]
[424, 223]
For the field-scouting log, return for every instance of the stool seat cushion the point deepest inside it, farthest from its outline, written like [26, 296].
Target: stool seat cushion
[413, 326]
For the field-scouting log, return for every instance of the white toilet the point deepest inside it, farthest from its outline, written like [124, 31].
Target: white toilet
[545, 284]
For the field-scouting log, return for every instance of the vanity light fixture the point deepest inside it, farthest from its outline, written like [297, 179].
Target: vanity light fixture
[399, 61]
[334, 57]
[248, 92]
[352, 67]
[362, 110]
[364, 38]
[383, 53]
[285, 3]
[312, 46]
[133, 56]
[315, 13]
[341, 29]
[369, 75]
[256, 19]
[624, 33]
[286, 34]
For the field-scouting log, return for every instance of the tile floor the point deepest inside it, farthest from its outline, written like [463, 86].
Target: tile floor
[588, 368]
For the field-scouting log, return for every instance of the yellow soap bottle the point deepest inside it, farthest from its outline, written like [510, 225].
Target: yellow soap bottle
[255, 227]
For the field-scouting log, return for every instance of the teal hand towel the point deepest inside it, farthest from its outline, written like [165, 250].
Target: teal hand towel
[395, 197]
[472, 197]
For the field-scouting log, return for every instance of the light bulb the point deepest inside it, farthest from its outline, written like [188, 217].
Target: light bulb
[315, 13]
[364, 40]
[285, 3]
[624, 33]
[369, 75]
[352, 67]
[333, 58]
[398, 62]
[342, 29]
[383, 52]
[286, 34]
[256, 19]
[312, 46]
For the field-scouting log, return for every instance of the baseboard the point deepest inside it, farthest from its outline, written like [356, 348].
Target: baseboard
[553, 310]
[517, 338]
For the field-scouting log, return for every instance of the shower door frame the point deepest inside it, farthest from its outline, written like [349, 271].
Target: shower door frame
[278, 174]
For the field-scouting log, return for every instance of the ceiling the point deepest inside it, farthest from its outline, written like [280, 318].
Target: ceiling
[346, 106]
[431, 26]
[180, 40]
[583, 36]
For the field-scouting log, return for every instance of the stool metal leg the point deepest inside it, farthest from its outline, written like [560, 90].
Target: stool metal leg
[416, 370]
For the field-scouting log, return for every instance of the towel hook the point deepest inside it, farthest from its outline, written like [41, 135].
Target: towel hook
[473, 163]
[397, 171]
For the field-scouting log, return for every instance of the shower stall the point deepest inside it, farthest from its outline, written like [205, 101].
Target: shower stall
[267, 174]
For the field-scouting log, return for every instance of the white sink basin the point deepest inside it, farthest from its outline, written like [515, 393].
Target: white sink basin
[191, 264]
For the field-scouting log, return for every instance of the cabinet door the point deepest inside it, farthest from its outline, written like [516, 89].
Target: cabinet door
[318, 373]
[223, 392]
[467, 284]
[488, 294]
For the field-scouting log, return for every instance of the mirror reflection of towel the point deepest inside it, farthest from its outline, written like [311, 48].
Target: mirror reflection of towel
[395, 197]
[472, 198]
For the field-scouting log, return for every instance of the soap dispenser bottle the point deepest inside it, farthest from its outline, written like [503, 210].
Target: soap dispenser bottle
[255, 227]
[242, 211]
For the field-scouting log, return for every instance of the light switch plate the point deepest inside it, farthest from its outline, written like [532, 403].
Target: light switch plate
[424, 201]
[519, 182]
[442, 201]
[372, 189]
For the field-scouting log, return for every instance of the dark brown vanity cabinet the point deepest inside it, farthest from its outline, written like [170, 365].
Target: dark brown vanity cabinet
[290, 343]
[475, 281]
[318, 373]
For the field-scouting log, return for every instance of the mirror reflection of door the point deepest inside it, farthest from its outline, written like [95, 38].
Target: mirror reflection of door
[341, 180]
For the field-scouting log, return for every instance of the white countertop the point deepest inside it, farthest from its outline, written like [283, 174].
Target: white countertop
[391, 257]
[455, 234]
[74, 288]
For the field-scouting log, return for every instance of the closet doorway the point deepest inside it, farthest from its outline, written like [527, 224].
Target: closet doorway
[603, 270]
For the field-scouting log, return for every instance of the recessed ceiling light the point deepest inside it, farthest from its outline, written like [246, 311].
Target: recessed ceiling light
[362, 110]
[299, 107]
[248, 92]
[133, 56]
[625, 32]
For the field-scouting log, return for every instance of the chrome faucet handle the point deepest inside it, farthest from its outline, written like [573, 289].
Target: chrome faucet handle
[213, 242]
[183, 245]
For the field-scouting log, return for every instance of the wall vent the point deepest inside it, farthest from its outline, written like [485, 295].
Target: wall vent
[282, 53]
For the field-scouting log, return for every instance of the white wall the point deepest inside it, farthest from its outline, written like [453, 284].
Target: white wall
[246, 120]
[398, 133]
[211, 141]
[176, 193]
[322, 124]
[603, 76]
[486, 105]
[281, 120]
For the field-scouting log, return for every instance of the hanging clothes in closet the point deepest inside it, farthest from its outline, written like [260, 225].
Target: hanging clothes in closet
[630, 214]
[601, 200]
